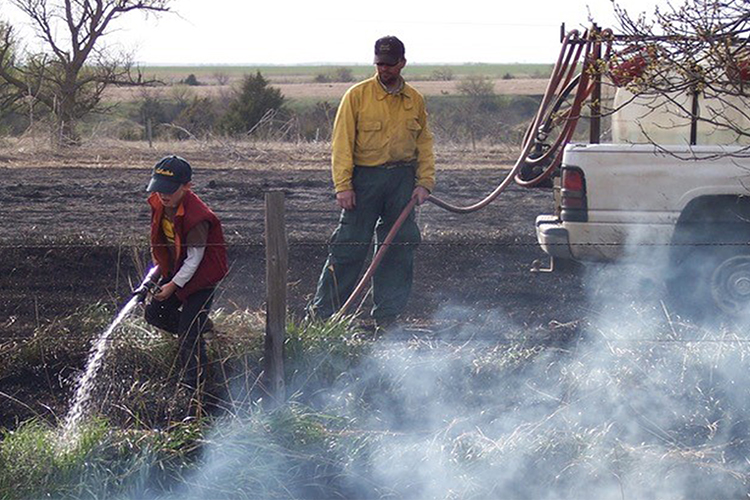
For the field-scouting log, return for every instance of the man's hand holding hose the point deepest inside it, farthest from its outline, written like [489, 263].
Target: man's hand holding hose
[421, 194]
[348, 199]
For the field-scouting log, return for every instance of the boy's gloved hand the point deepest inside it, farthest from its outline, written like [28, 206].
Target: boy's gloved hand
[166, 291]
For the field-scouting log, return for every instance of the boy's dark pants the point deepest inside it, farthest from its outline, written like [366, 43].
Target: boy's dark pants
[187, 320]
[382, 193]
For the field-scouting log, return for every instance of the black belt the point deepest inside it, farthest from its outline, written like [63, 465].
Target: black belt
[392, 164]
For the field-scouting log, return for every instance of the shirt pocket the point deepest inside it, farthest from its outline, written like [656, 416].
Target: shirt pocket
[413, 126]
[370, 135]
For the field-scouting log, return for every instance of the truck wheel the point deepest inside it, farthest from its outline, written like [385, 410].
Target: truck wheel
[729, 284]
[711, 284]
[710, 260]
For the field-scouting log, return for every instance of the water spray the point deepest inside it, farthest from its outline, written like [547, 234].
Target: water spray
[85, 384]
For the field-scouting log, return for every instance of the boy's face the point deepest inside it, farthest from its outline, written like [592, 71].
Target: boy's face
[172, 200]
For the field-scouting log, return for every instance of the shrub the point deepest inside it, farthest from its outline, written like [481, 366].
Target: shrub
[191, 80]
[322, 78]
[221, 78]
[339, 74]
[199, 117]
[157, 110]
[442, 74]
[343, 74]
[476, 86]
[252, 103]
[463, 118]
[316, 123]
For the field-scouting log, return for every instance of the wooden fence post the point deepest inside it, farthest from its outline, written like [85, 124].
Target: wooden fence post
[276, 284]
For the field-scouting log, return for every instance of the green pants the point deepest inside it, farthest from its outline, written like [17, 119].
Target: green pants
[381, 195]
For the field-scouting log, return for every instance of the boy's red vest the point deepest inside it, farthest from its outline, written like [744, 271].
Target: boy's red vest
[192, 210]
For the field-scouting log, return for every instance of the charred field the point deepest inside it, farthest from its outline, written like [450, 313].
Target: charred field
[503, 384]
[74, 235]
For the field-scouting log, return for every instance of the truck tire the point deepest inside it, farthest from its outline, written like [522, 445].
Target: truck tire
[711, 282]
[710, 259]
[729, 284]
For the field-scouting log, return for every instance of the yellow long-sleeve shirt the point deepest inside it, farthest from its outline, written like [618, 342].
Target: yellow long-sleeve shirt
[373, 127]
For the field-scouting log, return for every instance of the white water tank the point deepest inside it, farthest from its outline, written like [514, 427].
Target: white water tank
[664, 119]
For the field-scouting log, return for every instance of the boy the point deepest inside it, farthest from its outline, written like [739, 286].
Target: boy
[187, 244]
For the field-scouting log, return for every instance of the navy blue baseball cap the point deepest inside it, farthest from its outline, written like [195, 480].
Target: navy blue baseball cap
[169, 174]
[389, 50]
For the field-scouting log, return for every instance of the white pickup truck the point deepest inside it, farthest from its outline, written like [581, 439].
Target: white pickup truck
[615, 202]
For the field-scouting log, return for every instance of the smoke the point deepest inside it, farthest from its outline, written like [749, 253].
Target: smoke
[639, 404]
[632, 403]
[616, 420]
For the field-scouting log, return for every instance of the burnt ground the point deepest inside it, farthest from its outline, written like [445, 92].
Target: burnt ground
[72, 236]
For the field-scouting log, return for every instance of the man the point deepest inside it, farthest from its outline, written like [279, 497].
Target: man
[382, 157]
[187, 244]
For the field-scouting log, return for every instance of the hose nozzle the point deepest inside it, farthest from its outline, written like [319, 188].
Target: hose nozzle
[147, 286]
[144, 289]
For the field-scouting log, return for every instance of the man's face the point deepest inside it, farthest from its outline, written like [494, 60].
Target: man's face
[172, 200]
[389, 75]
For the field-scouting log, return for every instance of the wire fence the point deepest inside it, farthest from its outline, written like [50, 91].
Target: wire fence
[526, 246]
[466, 242]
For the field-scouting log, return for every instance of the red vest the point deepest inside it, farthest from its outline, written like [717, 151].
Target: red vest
[192, 210]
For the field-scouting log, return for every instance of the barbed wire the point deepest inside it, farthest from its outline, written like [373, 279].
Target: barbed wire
[48, 246]
[425, 334]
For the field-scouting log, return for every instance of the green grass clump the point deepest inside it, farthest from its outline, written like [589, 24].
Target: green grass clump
[318, 353]
[290, 451]
[103, 462]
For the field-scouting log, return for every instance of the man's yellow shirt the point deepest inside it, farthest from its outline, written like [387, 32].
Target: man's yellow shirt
[374, 128]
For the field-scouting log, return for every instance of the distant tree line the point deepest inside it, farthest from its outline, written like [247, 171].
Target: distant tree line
[256, 110]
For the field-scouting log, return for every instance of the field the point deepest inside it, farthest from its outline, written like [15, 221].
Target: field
[331, 91]
[286, 74]
[67, 209]
[299, 82]
[502, 383]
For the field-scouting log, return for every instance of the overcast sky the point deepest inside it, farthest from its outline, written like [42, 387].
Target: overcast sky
[343, 31]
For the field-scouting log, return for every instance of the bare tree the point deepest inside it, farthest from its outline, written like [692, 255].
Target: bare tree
[69, 76]
[221, 78]
[476, 86]
[694, 57]
[10, 95]
[480, 97]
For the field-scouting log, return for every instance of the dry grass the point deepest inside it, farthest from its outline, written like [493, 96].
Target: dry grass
[643, 407]
[326, 91]
[220, 152]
